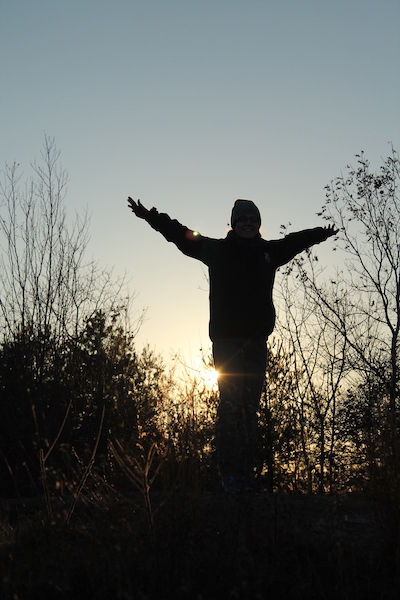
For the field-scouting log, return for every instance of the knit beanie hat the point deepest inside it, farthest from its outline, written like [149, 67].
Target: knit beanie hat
[244, 207]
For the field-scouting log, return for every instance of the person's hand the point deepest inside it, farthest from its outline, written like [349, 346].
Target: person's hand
[330, 230]
[137, 208]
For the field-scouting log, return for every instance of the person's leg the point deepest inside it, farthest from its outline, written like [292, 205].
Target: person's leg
[256, 362]
[229, 361]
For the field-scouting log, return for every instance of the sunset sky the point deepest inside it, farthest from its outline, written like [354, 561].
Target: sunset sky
[189, 105]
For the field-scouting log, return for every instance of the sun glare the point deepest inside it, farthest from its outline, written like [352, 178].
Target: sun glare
[210, 377]
[198, 370]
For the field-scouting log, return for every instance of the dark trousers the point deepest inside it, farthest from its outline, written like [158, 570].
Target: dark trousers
[241, 366]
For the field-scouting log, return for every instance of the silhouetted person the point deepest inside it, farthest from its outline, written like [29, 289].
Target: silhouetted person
[242, 270]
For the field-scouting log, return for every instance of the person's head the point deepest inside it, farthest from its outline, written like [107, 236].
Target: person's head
[245, 219]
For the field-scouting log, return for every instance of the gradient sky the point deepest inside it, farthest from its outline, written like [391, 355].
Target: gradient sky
[189, 105]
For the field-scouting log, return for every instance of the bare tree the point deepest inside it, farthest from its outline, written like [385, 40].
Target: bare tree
[318, 361]
[45, 281]
[356, 309]
[48, 293]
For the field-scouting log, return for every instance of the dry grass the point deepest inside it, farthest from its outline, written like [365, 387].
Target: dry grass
[205, 546]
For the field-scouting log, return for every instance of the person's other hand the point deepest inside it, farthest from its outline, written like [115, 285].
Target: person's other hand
[330, 230]
[137, 208]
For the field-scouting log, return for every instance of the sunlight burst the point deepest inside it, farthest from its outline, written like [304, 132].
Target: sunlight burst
[210, 377]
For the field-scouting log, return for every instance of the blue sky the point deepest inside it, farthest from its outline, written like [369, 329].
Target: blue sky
[189, 105]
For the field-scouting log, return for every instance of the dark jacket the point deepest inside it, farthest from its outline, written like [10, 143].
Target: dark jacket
[241, 273]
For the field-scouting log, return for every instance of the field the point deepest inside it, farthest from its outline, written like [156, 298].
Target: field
[199, 547]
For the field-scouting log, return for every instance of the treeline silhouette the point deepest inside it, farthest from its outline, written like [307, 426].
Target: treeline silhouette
[92, 413]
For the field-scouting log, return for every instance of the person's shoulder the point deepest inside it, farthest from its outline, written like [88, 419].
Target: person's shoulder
[214, 246]
[274, 247]
[275, 242]
[213, 241]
